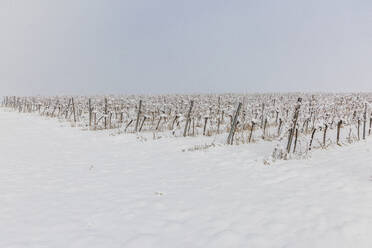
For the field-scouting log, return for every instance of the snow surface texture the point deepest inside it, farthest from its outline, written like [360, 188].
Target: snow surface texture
[64, 187]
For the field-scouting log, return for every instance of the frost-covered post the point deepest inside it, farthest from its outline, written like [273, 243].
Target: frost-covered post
[324, 134]
[219, 121]
[252, 128]
[157, 126]
[73, 108]
[105, 113]
[262, 114]
[188, 118]
[338, 131]
[205, 125]
[173, 122]
[219, 105]
[121, 118]
[68, 107]
[95, 120]
[138, 115]
[126, 127]
[144, 119]
[292, 130]
[295, 141]
[312, 138]
[233, 125]
[90, 112]
[193, 126]
[276, 118]
[280, 125]
[109, 119]
[364, 121]
[264, 129]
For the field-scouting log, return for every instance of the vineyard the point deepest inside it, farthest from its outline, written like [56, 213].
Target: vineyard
[297, 123]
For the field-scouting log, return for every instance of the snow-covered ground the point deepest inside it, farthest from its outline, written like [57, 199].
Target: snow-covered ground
[64, 187]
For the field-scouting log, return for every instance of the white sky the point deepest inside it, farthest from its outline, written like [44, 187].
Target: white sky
[184, 46]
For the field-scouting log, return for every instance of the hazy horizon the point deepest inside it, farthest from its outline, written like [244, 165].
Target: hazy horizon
[163, 47]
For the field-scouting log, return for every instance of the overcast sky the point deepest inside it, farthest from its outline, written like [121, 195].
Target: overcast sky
[53, 47]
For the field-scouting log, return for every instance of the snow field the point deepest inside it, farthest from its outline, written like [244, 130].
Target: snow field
[64, 187]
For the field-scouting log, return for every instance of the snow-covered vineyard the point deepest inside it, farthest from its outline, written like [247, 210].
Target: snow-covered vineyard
[294, 123]
[125, 175]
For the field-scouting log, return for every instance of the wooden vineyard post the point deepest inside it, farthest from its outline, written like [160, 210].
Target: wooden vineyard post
[152, 118]
[90, 112]
[188, 118]
[324, 135]
[292, 130]
[280, 125]
[109, 119]
[173, 122]
[295, 142]
[364, 121]
[219, 122]
[130, 122]
[264, 129]
[193, 126]
[312, 138]
[251, 133]
[189, 126]
[233, 125]
[233, 134]
[276, 118]
[314, 118]
[105, 113]
[219, 105]
[121, 118]
[68, 107]
[73, 109]
[138, 115]
[205, 125]
[338, 132]
[95, 120]
[262, 114]
[144, 119]
[157, 125]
